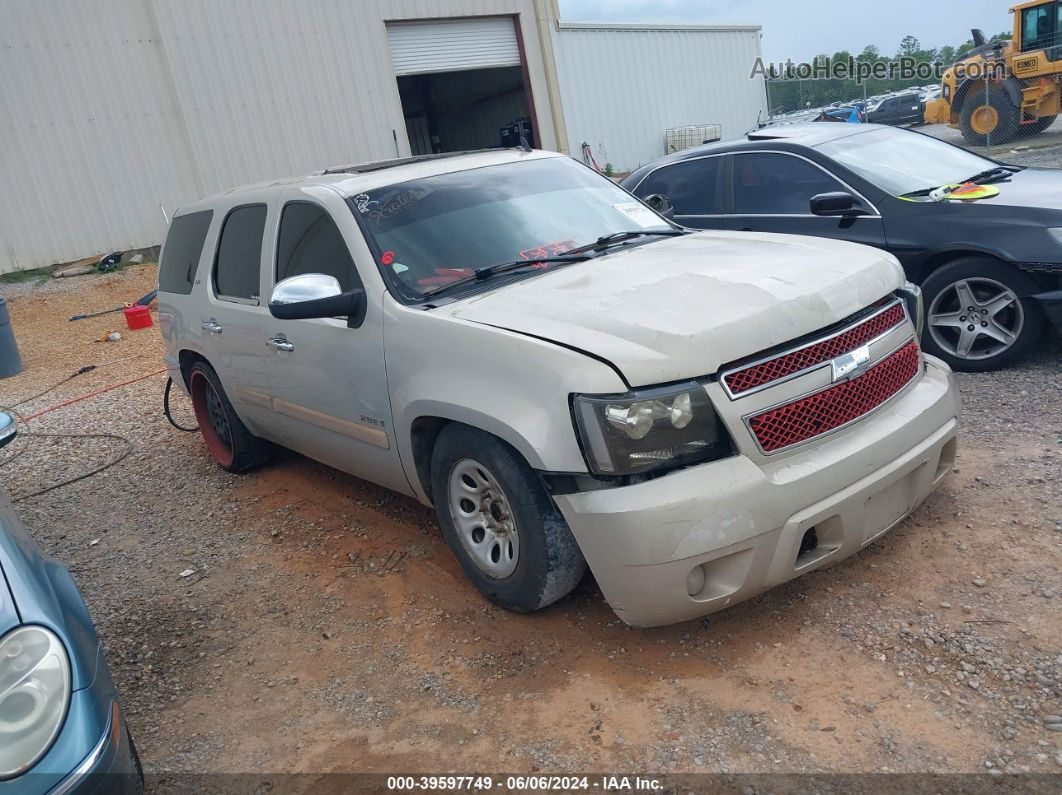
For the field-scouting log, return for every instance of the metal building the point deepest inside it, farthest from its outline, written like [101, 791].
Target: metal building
[113, 113]
[624, 86]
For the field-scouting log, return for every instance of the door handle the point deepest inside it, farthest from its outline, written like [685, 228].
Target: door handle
[280, 344]
[212, 326]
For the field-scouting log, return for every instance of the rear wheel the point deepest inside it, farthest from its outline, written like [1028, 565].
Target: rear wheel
[501, 525]
[989, 121]
[975, 319]
[234, 447]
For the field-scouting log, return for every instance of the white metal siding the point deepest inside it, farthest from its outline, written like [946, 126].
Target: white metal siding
[452, 45]
[623, 86]
[109, 107]
[89, 144]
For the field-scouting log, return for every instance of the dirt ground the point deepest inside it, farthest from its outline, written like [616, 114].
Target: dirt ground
[325, 627]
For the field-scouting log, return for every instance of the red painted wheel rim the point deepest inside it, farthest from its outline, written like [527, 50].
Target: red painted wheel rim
[212, 417]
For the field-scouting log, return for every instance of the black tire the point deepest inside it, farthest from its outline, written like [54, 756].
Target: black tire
[1007, 126]
[1038, 126]
[945, 278]
[227, 439]
[550, 563]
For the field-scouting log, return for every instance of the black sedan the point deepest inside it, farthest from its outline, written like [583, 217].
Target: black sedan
[990, 268]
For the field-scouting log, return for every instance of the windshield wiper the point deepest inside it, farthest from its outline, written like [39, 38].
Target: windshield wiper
[989, 175]
[580, 254]
[994, 174]
[606, 241]
[489, 271]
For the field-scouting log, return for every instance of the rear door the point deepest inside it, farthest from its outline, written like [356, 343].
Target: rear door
[695, 188]
[231, 318]
[772, 191]
[327, 384]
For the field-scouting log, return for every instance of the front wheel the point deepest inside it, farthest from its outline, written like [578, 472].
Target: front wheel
[975, 320]
[501, 525]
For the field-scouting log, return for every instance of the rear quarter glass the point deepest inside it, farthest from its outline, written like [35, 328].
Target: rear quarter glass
[181, 253]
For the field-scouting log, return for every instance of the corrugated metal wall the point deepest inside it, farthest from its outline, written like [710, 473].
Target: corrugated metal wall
[89, 144]
[622, 86]
[110, 107]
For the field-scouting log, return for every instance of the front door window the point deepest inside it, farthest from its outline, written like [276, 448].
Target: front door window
[777, 184]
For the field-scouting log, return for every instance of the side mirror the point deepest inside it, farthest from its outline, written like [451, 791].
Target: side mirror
[662, 204]
[7, 428]
[838, 203]
[316, 295]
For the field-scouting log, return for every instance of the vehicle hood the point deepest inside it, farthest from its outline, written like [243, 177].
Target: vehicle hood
[682, 307]
[37, 590]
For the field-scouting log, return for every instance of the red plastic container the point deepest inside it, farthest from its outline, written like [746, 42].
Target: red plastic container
[137, 317]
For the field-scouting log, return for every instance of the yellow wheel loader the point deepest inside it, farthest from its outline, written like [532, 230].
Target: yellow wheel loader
[1001, 91]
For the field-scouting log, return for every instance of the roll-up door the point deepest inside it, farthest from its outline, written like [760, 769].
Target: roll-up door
[452, 45]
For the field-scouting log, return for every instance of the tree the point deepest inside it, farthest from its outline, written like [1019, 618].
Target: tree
[947, 55]
[870, 53]
[910, 46]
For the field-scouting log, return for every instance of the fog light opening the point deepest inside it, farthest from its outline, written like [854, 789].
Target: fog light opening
[695, 581]
[809, 543]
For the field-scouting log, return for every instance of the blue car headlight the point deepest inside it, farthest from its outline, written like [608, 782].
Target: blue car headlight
[34, 696]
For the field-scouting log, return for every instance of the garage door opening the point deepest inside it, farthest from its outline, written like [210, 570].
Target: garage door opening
[475, 109]
[463, 84]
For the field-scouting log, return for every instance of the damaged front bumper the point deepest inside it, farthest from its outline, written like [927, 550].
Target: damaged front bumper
[704, 538]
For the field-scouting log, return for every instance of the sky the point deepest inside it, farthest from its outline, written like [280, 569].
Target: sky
[800, 30]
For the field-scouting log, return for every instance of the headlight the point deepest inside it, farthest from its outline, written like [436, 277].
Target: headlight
[649, 429]
[911, 294]
[34, 695]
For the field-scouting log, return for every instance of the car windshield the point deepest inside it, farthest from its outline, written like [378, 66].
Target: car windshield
[439, 230]
[903, 162]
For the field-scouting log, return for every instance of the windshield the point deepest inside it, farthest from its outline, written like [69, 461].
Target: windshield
[902, 162]
[435, 231]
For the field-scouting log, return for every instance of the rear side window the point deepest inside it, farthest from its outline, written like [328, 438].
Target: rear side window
[180, 254]
[310, 242]
[692, 186]
[239, 257]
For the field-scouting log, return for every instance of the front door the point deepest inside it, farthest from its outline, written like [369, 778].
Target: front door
[328, 385]
[772, 191]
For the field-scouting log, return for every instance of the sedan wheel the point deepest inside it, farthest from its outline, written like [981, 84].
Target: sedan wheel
[976, 318]
[484, 519]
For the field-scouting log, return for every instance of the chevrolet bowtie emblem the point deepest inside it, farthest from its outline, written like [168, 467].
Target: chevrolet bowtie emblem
[852, 364]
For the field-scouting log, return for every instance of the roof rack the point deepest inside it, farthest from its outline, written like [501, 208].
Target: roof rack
[379, 165]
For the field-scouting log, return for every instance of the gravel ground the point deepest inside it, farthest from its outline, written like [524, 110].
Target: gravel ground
[1043, 150]
[297, 619]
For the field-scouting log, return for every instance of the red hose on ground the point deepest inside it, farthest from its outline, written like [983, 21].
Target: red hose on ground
[92, 394]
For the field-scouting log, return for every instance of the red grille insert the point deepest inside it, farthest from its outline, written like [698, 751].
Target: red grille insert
[833, 407]
[818, 352]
